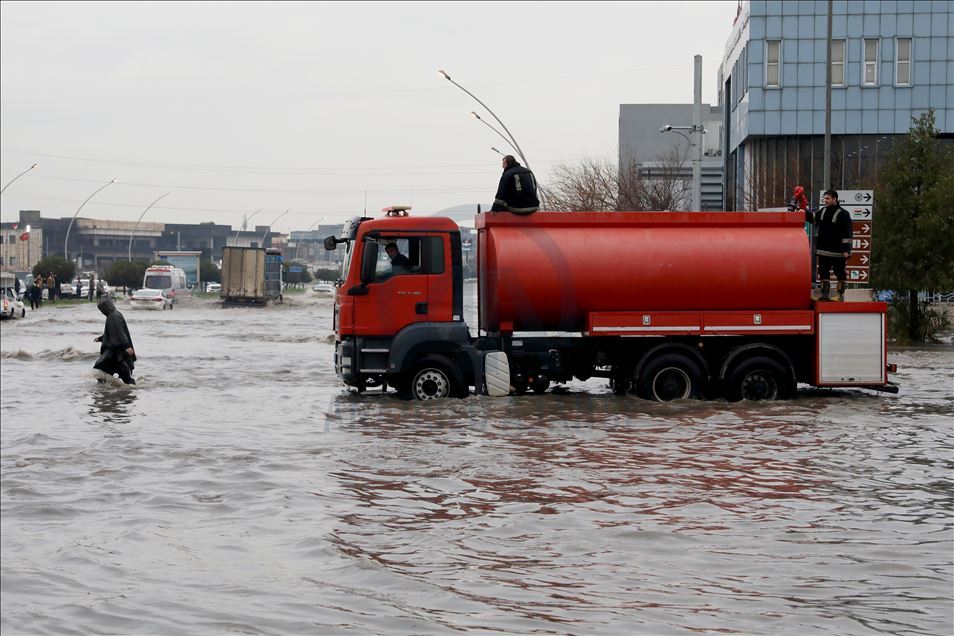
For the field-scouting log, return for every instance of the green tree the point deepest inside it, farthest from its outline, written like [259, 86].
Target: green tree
[328, 275]
[296, 278]
[209, 272]
[913, 245]
[61, 268]
[126, 274]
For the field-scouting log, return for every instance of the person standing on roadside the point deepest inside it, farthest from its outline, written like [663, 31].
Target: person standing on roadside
[51, 288]
[89, 291]
[36, 292]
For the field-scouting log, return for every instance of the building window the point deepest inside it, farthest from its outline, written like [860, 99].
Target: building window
[13, 260]
[773, 49]
[903, 66]
[870, 70]
[838, 63]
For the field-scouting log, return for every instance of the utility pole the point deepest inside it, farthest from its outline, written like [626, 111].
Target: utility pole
[697, 136]
[826, 170]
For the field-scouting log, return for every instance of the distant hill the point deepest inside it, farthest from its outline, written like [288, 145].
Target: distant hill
[463, 214]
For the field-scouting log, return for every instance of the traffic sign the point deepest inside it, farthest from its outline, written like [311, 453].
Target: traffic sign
[856, 197]
[861, 228]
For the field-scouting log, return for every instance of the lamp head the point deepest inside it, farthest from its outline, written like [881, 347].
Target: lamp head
[474, 115]
[443, 74]
[665, 128]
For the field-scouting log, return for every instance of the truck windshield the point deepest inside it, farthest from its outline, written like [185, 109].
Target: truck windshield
[158, 282]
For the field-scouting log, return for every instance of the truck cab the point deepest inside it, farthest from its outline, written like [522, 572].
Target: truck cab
[389, 308]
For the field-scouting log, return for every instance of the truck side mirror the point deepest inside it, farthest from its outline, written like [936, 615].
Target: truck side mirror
[331, 243]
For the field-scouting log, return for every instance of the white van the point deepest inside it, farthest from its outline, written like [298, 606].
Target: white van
[169, 278]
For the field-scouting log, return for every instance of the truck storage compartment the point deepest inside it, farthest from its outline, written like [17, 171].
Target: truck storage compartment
[851, 344]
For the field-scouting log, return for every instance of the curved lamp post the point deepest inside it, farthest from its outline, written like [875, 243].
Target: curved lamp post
[273, 223]
[17, 177]
[512, 141]
[245, 223]
[477, 117]
[70, 226]
[298, 247]
[129, 256]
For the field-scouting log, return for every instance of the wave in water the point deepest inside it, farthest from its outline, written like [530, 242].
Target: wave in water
[67, 354]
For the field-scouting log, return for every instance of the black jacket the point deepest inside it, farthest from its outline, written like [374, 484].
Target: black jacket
[517, 191]
[834, 231]
[115, 340]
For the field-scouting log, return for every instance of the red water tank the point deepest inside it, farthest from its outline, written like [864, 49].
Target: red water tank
[548, 270]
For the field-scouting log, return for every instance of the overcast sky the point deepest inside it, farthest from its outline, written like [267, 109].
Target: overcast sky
[322, 108]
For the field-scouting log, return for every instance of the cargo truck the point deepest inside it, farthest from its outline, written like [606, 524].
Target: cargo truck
[251, 275]
[665, 305]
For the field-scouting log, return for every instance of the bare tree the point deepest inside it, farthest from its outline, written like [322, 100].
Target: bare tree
[593, 184]
[662, 184]
[602, 186]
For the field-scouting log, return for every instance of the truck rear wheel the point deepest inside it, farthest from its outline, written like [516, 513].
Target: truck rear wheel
[671, 376]
[759, 378]
[433, 378]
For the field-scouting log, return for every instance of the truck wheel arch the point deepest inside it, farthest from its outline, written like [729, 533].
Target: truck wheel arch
[671, 347]
[418, 340]
[740, 354]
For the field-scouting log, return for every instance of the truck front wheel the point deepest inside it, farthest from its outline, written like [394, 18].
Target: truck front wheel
[433, 378]
[671, 376]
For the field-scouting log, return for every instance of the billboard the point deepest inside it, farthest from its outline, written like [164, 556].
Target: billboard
[188, 261]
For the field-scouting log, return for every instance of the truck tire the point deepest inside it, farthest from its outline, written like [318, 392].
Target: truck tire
[671, 376]
[759, 378]
[432, 378]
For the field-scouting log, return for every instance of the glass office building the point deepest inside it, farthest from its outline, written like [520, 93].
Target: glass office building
[891, 60]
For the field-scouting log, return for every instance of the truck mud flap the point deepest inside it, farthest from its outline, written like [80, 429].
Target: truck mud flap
[497, 374]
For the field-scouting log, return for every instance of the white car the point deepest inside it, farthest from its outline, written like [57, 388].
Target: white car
[150, 299]
[328, 288]
[10, 306]
[213, 287]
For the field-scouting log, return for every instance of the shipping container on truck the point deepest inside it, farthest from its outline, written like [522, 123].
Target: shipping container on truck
[664, 305]
[243, 275]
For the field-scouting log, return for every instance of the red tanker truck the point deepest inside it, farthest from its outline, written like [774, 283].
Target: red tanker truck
[666, 305]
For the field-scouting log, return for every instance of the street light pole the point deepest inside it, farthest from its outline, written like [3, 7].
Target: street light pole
[17, 177]
[244, 223]
[273, 223]
[70, 226]
[477, 117]
[135, 227]
[298, 247]
[696, 133]
[513, 142]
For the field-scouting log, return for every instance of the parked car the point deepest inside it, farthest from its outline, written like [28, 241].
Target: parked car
[10, 306]
[323, 287]
[150, 299]
[213, 287]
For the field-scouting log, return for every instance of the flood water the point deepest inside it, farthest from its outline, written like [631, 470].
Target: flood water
[238, 488]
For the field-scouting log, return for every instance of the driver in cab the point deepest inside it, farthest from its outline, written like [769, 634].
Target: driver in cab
[399, 262]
